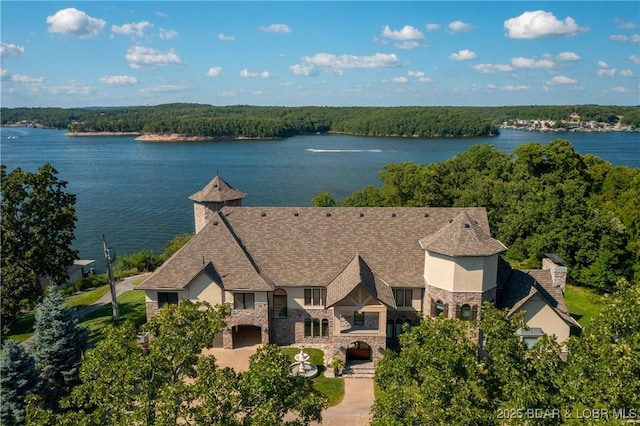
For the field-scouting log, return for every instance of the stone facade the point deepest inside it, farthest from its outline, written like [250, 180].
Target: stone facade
[341, 343]
[152, 309]
[454, 300]
[290, 330]
[371, 322]
[259, 317]
[558, 272]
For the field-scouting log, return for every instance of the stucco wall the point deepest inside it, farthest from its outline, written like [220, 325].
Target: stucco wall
[460, 274]
[540, 314]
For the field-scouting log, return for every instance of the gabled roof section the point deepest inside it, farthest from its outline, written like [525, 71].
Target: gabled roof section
[462, 236]
[357, 272]
[218, 252]
[521, 286]
[217, 191]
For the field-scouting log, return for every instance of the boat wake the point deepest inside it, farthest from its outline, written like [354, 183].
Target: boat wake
[332, 151]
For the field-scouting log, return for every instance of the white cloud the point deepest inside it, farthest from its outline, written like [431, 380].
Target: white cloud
[228, 93]
[276, 28]
[619, 89]
[167, 34]
[562, 79]
[162, 14]
[568, 56]
[161, 89]
[400, 80]
[73, 88]
[518, 88]
[338, 63]
[491, 86]
[491, 68]
[407, 45]
[4, 73]
[72, 21]
[406, 33]
[618, 37]
[625, 25]
[23, 79]
[306, 70]
[140, 56]
[635, 38]
[603, 64]
[425, 80]
[532, 63]
[11, 50]
[214, 71]
[135, 29]
[248, 74]
[626, 73]
[415, 73]
[459, 27]
[541, 24]
[431, 27]
[463, 55]
[223, 37]
[606, 72]
[635, 59]
[119, 80]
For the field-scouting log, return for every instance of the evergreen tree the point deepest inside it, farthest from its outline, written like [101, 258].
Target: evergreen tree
[18, 378]
[58, 344]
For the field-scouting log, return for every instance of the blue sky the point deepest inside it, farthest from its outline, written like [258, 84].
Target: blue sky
[319, 53]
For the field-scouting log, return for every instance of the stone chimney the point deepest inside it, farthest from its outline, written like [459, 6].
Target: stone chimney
[558, 271]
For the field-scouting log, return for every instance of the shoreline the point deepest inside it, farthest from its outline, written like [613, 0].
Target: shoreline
[85, 134]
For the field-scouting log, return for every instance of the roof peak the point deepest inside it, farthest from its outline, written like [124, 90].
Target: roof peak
[462, 236]
[216, 191]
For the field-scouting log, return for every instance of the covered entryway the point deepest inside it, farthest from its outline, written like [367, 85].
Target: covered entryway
[359, 351]
[246, 335]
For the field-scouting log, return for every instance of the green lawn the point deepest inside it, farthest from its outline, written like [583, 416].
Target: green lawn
[583, 303]
[333, 388]
[132, 308]
[84, 299]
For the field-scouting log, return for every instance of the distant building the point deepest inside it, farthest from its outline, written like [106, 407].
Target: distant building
[347, 279]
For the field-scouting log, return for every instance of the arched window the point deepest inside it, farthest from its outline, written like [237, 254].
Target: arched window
[439, 307]
[280, 303]
[325, 328]
[316, 328]
[307, 327]
[465, 312]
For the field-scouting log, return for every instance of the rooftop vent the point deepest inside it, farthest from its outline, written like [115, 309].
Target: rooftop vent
[426, 215]
[361, 214]
[467, 225]
[328, 214]
[215, 222]
[263, 214]
[393, 215]
[296, 214]
[450, 220]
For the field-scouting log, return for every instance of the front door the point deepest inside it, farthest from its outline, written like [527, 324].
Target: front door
[358, 351]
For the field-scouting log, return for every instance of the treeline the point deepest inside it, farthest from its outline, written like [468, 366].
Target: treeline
[280, 122]
[540, 199]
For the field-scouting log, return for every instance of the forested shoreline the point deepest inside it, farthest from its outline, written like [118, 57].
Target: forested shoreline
[243, 121]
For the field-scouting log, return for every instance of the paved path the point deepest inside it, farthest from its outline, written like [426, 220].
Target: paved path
[121, 287]
[355, 408]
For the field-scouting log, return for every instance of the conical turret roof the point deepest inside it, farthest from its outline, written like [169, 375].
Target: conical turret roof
[462, 236]
[217, 191]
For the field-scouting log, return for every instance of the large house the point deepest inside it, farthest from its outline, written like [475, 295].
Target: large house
[347, 279]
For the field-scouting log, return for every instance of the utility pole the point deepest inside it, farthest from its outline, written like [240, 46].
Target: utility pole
[110, 257]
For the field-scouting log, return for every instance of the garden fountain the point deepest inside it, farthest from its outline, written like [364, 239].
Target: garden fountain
[302, 366]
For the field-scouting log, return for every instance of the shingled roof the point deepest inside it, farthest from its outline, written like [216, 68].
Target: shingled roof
[522, 285]
[259, 248]
[217, 191]
[462, 236]
[357, 272]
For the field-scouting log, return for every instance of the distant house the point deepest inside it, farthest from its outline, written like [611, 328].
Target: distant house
[79, 269]
[348, 279]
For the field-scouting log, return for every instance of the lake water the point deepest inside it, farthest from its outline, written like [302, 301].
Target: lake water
[136, 193]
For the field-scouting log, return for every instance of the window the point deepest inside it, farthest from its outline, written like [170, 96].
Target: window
[403, 297]
[530, 336]
[358, 318]
[465, 312]
[316, 328]
[243, 301]
[315, 296]
[439, 308]
[167, 299]
[280, 303]
[390, 329]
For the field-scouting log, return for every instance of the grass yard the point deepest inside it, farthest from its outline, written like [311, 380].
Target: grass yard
[332, 388]
[132, 308]
[583, 303]
[84, 299]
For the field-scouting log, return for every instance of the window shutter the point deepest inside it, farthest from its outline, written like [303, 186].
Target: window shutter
[474, 312]
[446, 310]
[458, 309]
[433, 308]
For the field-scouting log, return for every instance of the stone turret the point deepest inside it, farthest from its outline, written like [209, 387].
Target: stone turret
[212, 198]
